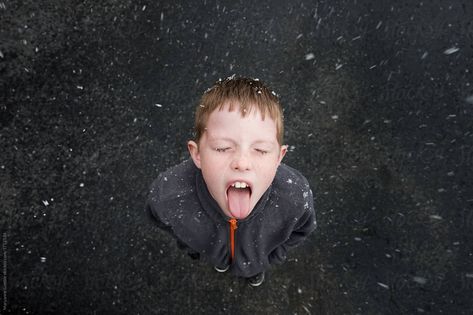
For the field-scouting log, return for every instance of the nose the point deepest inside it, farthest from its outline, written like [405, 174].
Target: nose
[241, 163]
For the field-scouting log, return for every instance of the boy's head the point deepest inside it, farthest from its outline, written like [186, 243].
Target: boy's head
[238, 144]
[245, 95]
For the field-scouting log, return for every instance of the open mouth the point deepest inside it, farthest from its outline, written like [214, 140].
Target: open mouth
[238, 198]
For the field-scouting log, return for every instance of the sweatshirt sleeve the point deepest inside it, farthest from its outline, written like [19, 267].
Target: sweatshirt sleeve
[152, 213]
[151, 207]
[304, 226]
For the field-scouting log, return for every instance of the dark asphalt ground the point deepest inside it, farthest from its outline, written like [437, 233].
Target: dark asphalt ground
[97, 98]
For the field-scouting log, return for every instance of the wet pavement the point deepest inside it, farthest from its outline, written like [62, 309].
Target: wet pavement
[98, 98]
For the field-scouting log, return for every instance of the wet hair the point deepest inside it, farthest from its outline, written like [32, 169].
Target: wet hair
[249, 94]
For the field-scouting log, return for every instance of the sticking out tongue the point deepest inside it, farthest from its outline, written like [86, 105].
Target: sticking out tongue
[239, 202]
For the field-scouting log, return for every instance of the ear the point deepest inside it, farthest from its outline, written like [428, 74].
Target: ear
[282, 152]
[194, 152]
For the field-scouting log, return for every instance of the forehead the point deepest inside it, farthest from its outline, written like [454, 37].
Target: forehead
[224, 122]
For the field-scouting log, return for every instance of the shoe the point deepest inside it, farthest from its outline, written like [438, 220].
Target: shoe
[222, 269]
[256, 280]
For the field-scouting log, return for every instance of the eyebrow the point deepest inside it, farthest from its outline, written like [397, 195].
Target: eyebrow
[263, 142]
[212, 139]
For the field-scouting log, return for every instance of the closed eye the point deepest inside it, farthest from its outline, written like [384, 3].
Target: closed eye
[221, 149]
[263, 152]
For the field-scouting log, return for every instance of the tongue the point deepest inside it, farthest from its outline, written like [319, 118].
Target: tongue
[239, 202]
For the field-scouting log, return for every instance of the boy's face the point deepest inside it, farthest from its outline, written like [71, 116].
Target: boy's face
[235, 152]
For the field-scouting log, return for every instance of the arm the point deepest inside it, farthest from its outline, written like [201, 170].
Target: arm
[151, 209]
[304, 226]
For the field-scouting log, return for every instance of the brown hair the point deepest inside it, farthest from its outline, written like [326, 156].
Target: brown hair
[249, 94]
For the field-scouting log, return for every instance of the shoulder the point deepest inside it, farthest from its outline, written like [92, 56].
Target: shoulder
[290, 178]
[178, 180]
[292, 188]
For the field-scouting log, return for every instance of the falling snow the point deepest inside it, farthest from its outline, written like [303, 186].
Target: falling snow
[469, 99]
[419, 280]
[451, 50]
[383, 285]
[309, 56]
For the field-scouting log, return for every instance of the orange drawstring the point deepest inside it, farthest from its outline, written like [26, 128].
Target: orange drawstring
[233, 227]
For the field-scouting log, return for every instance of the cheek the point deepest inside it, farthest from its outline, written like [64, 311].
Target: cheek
[212, 167]
[267, 163]
[208, 158]
[217, 161]
[213, 181]
[267, 171]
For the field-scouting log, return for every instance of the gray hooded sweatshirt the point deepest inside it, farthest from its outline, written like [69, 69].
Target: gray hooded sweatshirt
[180, 203]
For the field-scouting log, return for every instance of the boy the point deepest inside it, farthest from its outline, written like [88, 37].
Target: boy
[235, 204]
